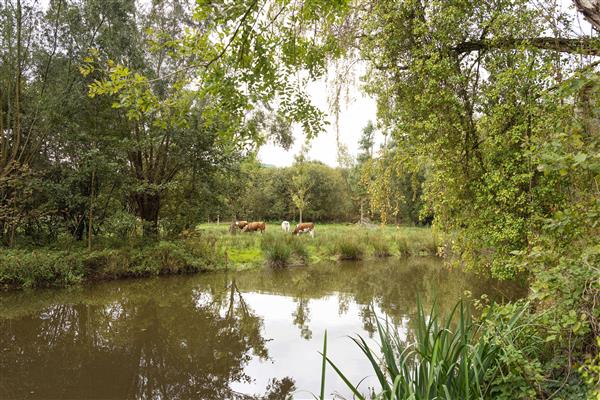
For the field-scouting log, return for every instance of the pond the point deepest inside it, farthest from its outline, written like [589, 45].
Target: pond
[216, 335]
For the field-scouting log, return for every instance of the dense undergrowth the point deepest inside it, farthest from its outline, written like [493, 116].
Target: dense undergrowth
[209, 247]
[22, 268]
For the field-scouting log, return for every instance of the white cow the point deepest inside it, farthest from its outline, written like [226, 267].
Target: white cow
[285, 226]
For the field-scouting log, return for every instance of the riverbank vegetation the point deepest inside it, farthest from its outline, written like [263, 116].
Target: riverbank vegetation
[453, 357]
[209, 247]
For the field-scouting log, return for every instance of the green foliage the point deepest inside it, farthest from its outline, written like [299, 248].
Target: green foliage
[507, 139]
[416, 243]
[48, 267]
[380, 245]
[30, 269]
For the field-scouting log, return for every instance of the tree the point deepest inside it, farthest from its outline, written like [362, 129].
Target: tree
[493, 100]
[236, 65]
[301, 184]
[362, 173]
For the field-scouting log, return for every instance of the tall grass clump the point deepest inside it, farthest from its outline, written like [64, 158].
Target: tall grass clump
[416, 243]
[453, 359]
[402, 244]
[381, 246]
[348, 248]
[284, 250]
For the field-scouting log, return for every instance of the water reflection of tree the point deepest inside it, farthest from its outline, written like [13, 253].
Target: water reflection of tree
[192, 336]
[142, 346]
[302, 317]
[368, 317]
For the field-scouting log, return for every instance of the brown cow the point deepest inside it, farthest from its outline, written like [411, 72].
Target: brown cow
[305, 227]
[255, 226]
[241, 224]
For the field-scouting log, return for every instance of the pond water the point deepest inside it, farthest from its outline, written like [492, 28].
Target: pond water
[216, 336]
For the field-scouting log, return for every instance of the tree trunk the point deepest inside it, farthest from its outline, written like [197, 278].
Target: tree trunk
[91, 212]
[362, 216]
[300, 210]
[148, 206]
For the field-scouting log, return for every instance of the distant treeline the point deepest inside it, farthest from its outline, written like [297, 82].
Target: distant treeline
[332, 196]
[258, 192]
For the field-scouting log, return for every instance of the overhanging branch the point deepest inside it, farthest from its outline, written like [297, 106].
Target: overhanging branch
[584, 46]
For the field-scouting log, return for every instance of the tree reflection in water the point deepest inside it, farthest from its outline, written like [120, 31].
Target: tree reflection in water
[208, 335]
[158, 348]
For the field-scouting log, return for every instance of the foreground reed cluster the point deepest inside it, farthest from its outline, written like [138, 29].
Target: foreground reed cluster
[452, 358]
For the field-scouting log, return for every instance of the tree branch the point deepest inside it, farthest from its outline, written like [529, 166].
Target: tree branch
[586, 46]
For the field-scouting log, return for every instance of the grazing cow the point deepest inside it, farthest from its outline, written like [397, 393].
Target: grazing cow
[255, 226]
[305, 227]
[285, 226]
[241, 224]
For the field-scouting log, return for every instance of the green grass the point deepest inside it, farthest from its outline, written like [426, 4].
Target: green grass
[281, 250]
[348, 248]
[208, 247]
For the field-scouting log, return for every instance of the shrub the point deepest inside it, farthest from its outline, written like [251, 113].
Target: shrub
[28, 269]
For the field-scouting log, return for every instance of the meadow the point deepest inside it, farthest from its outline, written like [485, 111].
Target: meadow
[209, 247]
[331, 242]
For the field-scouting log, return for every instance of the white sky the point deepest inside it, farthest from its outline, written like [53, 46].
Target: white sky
[354, 115]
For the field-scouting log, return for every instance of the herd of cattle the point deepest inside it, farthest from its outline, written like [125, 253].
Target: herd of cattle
[305, 227]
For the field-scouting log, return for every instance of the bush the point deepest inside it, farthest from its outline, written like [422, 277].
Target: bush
[29, 269]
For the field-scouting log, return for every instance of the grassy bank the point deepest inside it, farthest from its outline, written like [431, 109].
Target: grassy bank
[209, 247]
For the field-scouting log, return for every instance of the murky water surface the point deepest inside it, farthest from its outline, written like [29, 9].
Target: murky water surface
[215, 336]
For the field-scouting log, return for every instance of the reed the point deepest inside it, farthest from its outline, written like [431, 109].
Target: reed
[448, 359]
